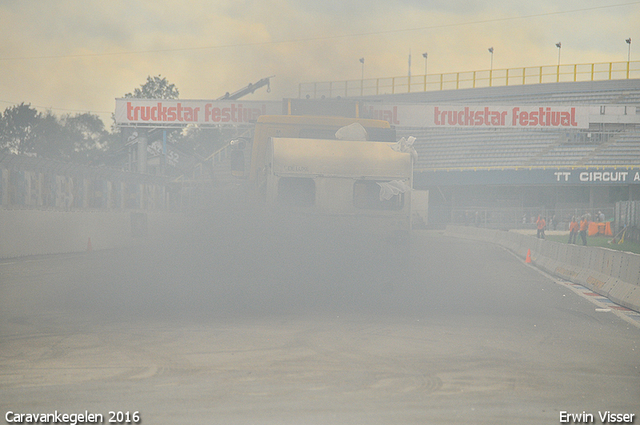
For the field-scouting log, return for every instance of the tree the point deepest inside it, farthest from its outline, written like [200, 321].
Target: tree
[50, 142]
[155, 88]
[79, 138]
[20, 130]
[85, 137]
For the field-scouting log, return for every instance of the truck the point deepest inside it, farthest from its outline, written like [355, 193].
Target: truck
[345, 171]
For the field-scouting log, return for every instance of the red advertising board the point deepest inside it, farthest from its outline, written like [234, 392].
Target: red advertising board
[480, 116]
[165, 113]
[173, 112]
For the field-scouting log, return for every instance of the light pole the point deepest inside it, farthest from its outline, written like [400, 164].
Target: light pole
[424, 55]
[559, 46]
[628, 40]
[362, 77]
[491, 68]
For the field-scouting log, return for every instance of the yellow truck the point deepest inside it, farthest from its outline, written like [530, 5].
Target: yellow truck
[344, 171]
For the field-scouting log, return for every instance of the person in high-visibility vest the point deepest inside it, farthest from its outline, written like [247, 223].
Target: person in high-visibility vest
[584, 225]
[541, 225]
[574, 227]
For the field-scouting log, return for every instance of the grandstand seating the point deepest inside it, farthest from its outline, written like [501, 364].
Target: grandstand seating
[513, 148]
[494, 148]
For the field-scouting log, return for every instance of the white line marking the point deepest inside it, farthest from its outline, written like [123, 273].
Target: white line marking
[575, 287]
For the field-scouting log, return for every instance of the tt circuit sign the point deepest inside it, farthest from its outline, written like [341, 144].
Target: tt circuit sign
[171, 113]
[603, 176]
[529, 176]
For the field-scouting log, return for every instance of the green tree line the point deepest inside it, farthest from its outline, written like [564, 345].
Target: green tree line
[83, 138]
[80, 138]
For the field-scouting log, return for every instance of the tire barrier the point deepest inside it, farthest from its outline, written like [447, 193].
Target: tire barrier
[612, 274]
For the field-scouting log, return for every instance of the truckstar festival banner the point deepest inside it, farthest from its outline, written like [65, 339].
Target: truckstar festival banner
[481, 116]
[171, 113]
[165, 112]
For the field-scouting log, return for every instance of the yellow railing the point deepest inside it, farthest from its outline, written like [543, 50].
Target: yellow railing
[472, 79]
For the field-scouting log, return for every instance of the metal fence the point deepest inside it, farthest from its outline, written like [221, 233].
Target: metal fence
[525, 218]
[36, 183]
[472, 79]
[627, 218]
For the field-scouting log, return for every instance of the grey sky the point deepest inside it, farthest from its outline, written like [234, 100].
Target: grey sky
[80, 55]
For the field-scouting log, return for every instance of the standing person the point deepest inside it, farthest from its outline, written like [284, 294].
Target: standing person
[574, 227]
[584, 224]
[541, 225]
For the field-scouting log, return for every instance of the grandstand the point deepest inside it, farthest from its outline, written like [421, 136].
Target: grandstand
[441, 149]
[603, 144]
[493, 169]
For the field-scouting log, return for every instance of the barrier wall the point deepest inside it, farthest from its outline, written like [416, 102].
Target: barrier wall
[43, 184]
[37, 232]
[612, 274]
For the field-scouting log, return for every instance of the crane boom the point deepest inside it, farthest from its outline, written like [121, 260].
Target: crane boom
[250, 88]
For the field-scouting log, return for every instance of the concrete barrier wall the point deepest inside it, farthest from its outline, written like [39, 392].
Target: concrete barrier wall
[612, 274]
[36, 232]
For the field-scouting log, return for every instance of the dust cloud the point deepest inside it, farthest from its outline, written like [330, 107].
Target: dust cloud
[232, 259]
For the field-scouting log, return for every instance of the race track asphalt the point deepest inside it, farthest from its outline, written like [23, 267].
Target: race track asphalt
[251, 322]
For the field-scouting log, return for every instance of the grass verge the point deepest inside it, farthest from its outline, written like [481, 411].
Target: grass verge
[601, 241]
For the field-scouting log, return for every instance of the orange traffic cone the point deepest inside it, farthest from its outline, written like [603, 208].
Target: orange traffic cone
[528, 259]
[89, 245]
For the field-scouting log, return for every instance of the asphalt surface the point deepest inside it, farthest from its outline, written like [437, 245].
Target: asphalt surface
[244, 321]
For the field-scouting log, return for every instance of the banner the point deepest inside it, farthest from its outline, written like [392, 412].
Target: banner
[528, 176]
[174, 112]
[166, 113]
[480, 116]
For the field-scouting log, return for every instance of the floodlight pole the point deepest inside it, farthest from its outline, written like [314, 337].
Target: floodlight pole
[362, 78]
[491, 68]
[559, 46]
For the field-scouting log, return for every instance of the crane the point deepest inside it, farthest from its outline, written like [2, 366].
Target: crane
[247, 89]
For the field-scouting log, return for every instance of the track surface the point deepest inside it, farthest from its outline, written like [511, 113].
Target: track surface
[298, 325]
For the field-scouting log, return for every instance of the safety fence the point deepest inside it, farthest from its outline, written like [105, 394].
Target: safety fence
[627, 219]
[472, 79]
[37, 183]
[525, 218]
